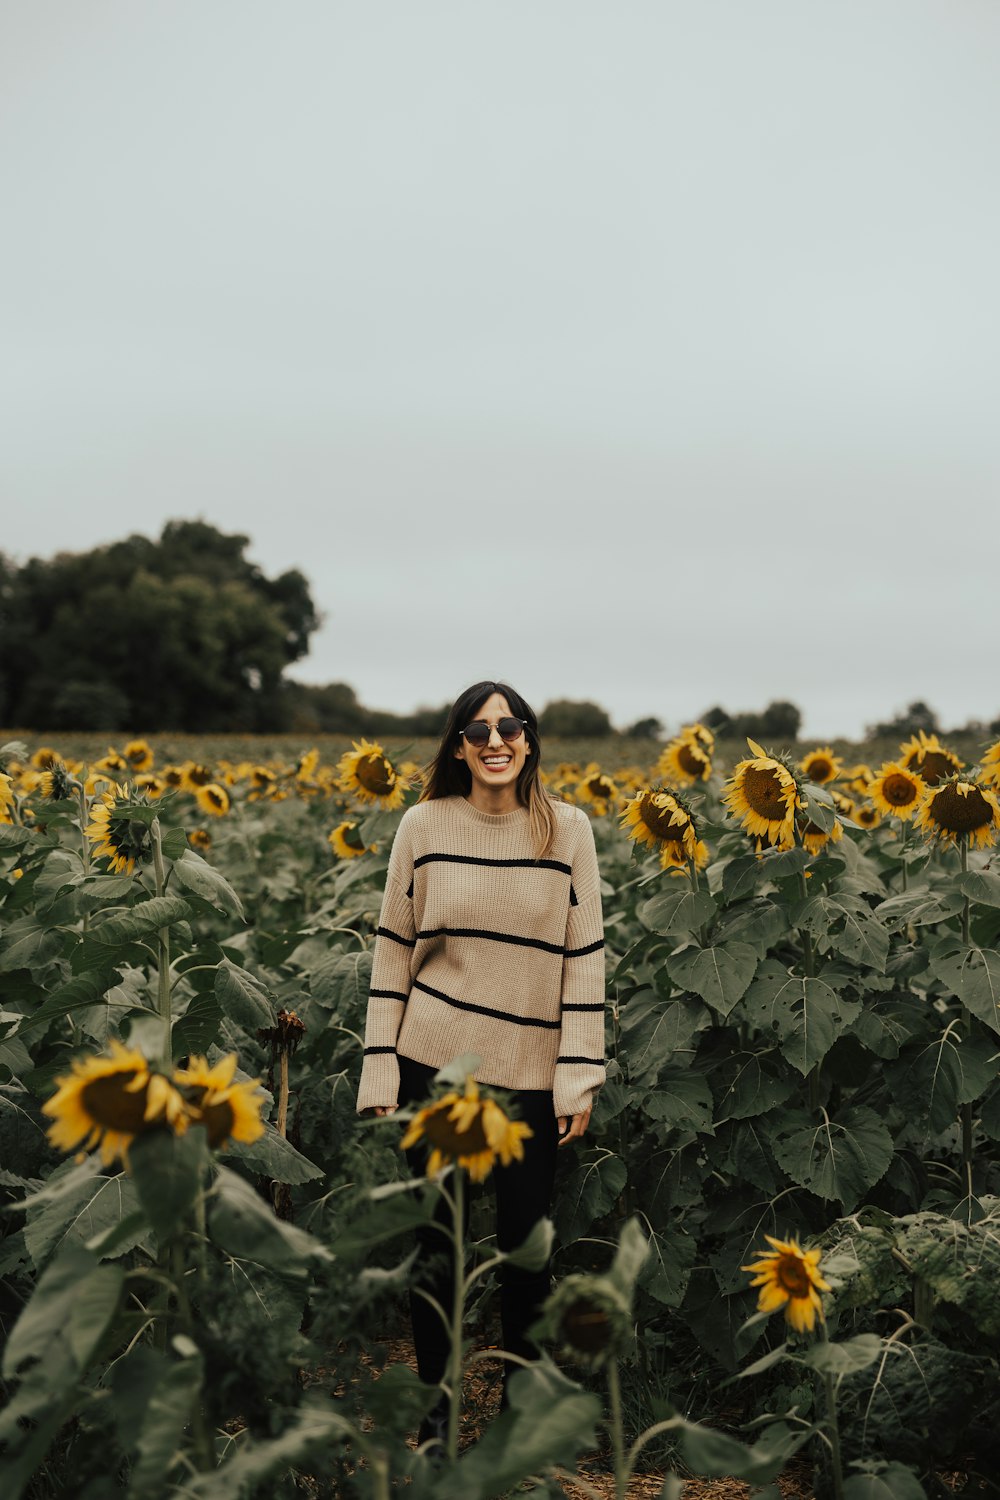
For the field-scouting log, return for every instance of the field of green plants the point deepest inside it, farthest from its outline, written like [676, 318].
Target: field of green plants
[778, 1249]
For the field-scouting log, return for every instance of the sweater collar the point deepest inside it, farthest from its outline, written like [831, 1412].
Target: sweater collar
[490, 820]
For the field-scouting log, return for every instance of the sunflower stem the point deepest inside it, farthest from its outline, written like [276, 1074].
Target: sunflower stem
[281, 1124]
[963, 844]
[902, 853]
[163, 948]
[204, 1450]
[617, 1430]
[455, 1361]
[967, 1155]
[833, 1424]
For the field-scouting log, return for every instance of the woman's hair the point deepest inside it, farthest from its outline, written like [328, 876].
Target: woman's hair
[447, 776]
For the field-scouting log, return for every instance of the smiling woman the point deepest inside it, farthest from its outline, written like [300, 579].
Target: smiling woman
[490, 941]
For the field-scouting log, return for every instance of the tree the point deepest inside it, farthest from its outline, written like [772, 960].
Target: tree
[911, 720]
[181, 633]
[646, 729]
[569, 718]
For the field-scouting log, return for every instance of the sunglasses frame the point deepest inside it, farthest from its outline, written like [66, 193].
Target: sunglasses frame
[511, 718]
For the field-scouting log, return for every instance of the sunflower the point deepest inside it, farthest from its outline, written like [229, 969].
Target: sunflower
[6, 797]
[684, 760]
[117, 837]
[699, 732]
[763, 794]
[469, 1130]
[56, 783]
[934, 761]
[152, 785]
[821, 766]
[346, 842]
[194, 775]
[139, 754]
[589, 1316]
[45, 758]
[897, 792]
[597, 790]
[989, 775]
[867, 815]
[789, 1277]
[369, 774]
[111, 764]
[262, 782]
[844, 805]
[172, 776]
[961, 808]
[111, 1100]
[213, 799]
[815, 838]
[200, 838]
[857, 778]
[307, 764]
[660, 819]
[229, 1111]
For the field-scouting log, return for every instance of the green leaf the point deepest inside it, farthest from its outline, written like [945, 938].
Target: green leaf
[929, 1082]
[715, 1455]
[275, 1157]
[655, 1030]
[587, 1195]
[534, 1251]
[719, 974]
[242, 1223]
[306, 1437]
[667, 1268]
[12, 836]
[343, 981]
[761, 923]
[195, 874]
[917, 908]
[45, 1317]
[805, 1014]
[93, 1310]
[174, 843]
[750, 1083]
[168, 1171]
[891, 1482]
[164, 1420]
[243, 998]
[27, 944]
[742, 876]
[973, 975]
[76, 994]
[198, 1027]
[844, 1358]
[677, 911]
[681, 1099]
[149, 916]
[837, 1159]
[76, 1204]
[980, 885]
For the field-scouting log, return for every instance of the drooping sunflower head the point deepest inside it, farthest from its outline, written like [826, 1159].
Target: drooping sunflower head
[369, 774]
[262, 782]
[213, 799]
[790, 1281]
[56, 784]
[896, 791]
[763, 794]
[821, 766]
[989, 766]
[109, 1101]
[229, 1111]
[346, 842]
[468, 1129]
[960, 809]
[660, 819]
[597, 790]
[684, 761]
[925, 754]
[589, 1317]
[122, 840]
[139, 754]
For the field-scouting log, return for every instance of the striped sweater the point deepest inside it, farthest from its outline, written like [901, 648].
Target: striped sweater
[482, 948]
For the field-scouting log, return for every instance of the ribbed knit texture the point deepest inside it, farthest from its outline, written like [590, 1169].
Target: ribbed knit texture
[482, 948]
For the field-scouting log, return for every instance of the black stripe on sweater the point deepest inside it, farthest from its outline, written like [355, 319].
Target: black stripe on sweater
[580, 952]
[370, 1051]
[395, 936]
[485, 1010]
[493, 937]
[598, 1062]
[597, 1005]
[496, 864]
[388, 995]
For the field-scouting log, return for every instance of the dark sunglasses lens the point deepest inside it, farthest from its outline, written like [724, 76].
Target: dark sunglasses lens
[509, 729]
[477, 733]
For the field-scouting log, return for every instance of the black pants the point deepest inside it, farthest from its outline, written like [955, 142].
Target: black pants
[523, 1193]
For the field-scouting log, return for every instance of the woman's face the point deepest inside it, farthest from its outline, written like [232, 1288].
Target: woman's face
[495, 764]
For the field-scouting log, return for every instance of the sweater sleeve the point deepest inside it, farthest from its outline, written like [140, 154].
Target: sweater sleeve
[580, 1067]
[395, 939]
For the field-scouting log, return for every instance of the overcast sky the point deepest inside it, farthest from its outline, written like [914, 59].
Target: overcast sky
[641, 352]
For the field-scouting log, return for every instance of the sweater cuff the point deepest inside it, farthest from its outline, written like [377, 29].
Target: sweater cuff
[576, 1085]
[379, 1080]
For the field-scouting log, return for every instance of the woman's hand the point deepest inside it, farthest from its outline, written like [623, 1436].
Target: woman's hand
[577, 1126]
[385, 1109]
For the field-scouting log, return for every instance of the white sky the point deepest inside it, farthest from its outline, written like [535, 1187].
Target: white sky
[641, 352]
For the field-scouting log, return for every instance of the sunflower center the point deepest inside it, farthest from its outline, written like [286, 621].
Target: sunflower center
[820, 769]
[375, 775]
[219, 1121]
[586, 1327]
[958, 814]
[452, 1142]
[936, 765]
[657, 820]
[899, 790]
[793, 1276]
[109, 1104]
[762, 790]
[690, 760]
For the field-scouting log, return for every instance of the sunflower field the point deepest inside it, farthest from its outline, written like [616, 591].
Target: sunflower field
[776, 1253]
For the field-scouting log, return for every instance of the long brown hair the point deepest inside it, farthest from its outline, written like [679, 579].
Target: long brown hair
[446, 776]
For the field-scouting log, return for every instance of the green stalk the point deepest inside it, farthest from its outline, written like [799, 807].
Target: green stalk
[458, 1306]
[84, 814]
[963, 844]
[163, 949]
[617, 1431]
[809, 965]
[902, 851]
[204, 1447]
[833, 1426]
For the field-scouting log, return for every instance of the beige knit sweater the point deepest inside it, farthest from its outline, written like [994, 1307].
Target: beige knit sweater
[482, 948]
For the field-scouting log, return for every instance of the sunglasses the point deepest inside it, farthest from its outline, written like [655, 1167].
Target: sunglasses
[478, 732]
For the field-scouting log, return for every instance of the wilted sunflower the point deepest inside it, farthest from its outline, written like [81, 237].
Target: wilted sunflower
[821, 766]
[597, 790]
[989, 774]
[763, 794]
[867, 815]
[685, 760]
[117, 837]
[111, 1100]
[925, 753]
[200, 838]
[589, 1317]
[346, 842]
[229, 1111]
[789, 1277]
[961, 808]
[660, 819]
[897, 792]
[213, 799]
[469, 1130]
[369, 774]
[139, 754]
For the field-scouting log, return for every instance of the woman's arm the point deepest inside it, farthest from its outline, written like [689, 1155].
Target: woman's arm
[390, 983]
[580, 1067]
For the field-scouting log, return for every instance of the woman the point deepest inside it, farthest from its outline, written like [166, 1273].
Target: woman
[490, 940]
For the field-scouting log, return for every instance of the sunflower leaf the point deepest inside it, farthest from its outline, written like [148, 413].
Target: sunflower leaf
[804, 1013]
[837, 1159]
[844, 1358]
[196, 875]
[653, 1031]
[677, 911]
[588, 1194]
[243, 997]
[168, 1170]
[973, 975]
[981, 886]
[149, 916]
[719, 974]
